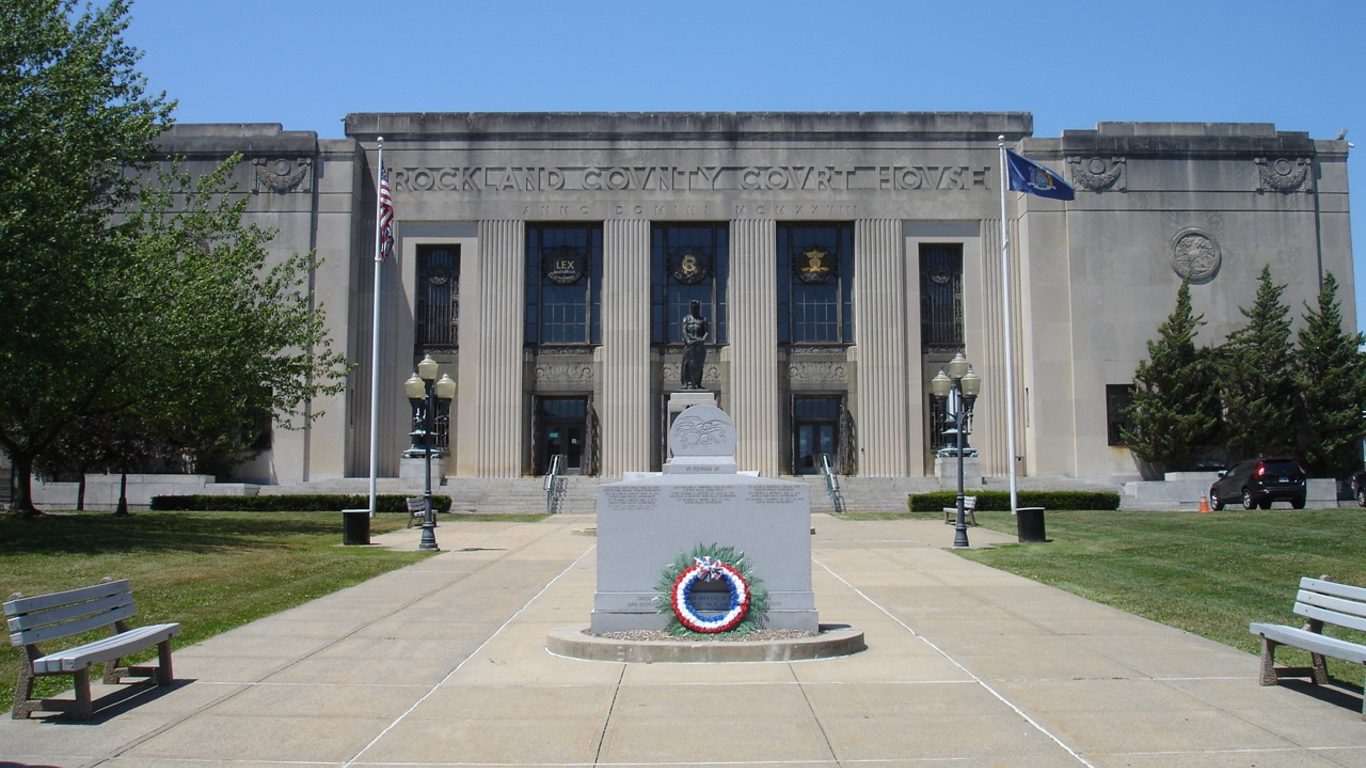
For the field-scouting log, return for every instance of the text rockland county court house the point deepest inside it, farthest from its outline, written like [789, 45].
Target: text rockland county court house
[841, 259]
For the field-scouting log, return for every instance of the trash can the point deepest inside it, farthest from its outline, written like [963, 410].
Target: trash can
[355, 526]
[1029, 524]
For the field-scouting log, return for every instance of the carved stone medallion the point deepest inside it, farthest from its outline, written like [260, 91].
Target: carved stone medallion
[281, 175]
[1195, 255]
[1282, 174]
[1097, 174]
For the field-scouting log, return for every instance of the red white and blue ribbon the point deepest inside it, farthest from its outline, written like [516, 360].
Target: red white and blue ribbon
[706, 569]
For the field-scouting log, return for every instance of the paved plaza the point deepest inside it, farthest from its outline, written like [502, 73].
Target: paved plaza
[444, 664]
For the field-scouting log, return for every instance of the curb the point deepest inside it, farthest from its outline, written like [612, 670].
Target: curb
[834, 640]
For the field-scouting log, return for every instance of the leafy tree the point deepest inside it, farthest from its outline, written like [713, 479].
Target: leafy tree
[138, 310]
[74, 116]
[232, 331]
[1257, 378]
[1173, 409]
[1331, 375]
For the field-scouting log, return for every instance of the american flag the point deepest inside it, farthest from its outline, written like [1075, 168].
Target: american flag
[386, 217]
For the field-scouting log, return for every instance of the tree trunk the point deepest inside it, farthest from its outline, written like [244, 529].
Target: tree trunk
[80, 489]
[23, 490]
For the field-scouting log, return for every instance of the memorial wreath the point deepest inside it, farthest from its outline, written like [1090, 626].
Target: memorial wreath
[707, 565]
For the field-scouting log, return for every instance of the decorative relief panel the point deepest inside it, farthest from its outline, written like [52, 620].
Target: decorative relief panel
[1195, 255]
[282, 175]
[564, 373]
[811, 349]
[831, 373]
[1099, 174]
[1283, 175]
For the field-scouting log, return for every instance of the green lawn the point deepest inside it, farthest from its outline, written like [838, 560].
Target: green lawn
[1211, 574]
[210, 571]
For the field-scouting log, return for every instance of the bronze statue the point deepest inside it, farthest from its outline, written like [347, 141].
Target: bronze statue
[695, 333]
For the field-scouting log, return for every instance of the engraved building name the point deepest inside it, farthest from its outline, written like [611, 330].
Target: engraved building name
[701, 178]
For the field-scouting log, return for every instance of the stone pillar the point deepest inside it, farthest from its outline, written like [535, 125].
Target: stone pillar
[882, 424]
[753, 339]
[625, 411]
[491, 418]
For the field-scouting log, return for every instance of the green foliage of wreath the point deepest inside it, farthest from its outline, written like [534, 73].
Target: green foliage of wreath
[758, 595]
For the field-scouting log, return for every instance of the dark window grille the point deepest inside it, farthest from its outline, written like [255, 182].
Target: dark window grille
[815, 283]
[438, 296]
[563, 283]
[941, 297]
[687, 263]
[1117, 398]
[939, 422]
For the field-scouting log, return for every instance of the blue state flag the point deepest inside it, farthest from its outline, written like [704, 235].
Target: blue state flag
[1029, 177]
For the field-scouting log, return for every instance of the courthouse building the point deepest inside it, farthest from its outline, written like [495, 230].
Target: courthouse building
[841, 259]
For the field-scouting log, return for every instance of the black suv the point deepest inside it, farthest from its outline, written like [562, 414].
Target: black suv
[1258, 482]
[1359, 486]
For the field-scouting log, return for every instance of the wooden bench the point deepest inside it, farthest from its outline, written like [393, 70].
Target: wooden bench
[39, 619]
[969, 508]
[1321, 602]
[417, 511]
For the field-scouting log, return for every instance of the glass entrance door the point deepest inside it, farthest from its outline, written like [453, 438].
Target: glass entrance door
[562, 431]
[815, 422]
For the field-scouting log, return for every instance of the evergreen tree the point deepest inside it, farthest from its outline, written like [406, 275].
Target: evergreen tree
[1257, 378]
[1331, 374]
[1173, 409]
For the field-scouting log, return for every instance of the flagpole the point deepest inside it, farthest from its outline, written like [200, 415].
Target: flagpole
[374, 345]
[1006, 313]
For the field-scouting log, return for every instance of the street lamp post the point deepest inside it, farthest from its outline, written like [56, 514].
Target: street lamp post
[423, 391]
[960, 386]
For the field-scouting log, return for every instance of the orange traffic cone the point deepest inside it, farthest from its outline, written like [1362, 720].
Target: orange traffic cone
[1204, 503]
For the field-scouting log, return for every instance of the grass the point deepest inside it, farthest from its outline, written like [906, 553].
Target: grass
[1209, 574]
[210, 571]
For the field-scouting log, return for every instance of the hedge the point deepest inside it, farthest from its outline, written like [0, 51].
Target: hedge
[293, 502]
[999, 501]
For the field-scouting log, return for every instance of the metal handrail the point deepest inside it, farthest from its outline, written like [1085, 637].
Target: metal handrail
[832, 484]
[552, 485]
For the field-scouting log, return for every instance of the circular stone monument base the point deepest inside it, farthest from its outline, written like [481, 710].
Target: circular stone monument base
[832, 641]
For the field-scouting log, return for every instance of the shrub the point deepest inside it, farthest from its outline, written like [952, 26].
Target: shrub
[999, 501]
[293, 502]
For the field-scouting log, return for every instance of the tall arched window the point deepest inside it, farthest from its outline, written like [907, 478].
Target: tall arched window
[563, 284]
[815, 283]
[438, 297]
[688, 262]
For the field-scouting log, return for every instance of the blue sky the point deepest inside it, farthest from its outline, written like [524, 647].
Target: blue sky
[307, 63]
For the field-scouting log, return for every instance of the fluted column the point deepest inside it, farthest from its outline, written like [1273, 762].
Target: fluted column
[880, 326]
[753, 339]
[491, 417]
[625, 410]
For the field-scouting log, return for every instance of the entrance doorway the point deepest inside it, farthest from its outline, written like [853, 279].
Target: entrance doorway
[815, 431]
[562, 430]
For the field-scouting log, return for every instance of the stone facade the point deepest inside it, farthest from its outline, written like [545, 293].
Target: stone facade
[1091, 278]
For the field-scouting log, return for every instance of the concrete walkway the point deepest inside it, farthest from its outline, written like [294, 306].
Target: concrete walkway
[444, 664]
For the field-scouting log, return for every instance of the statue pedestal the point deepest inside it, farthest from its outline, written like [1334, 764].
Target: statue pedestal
[413, 469]
[684, 399]
[946, 469]
[646, 521]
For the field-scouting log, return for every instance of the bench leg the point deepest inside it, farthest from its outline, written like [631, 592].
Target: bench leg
[1320, 668]
[83, 708]
[165, 676]
[23, 693]
[1268, 676]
